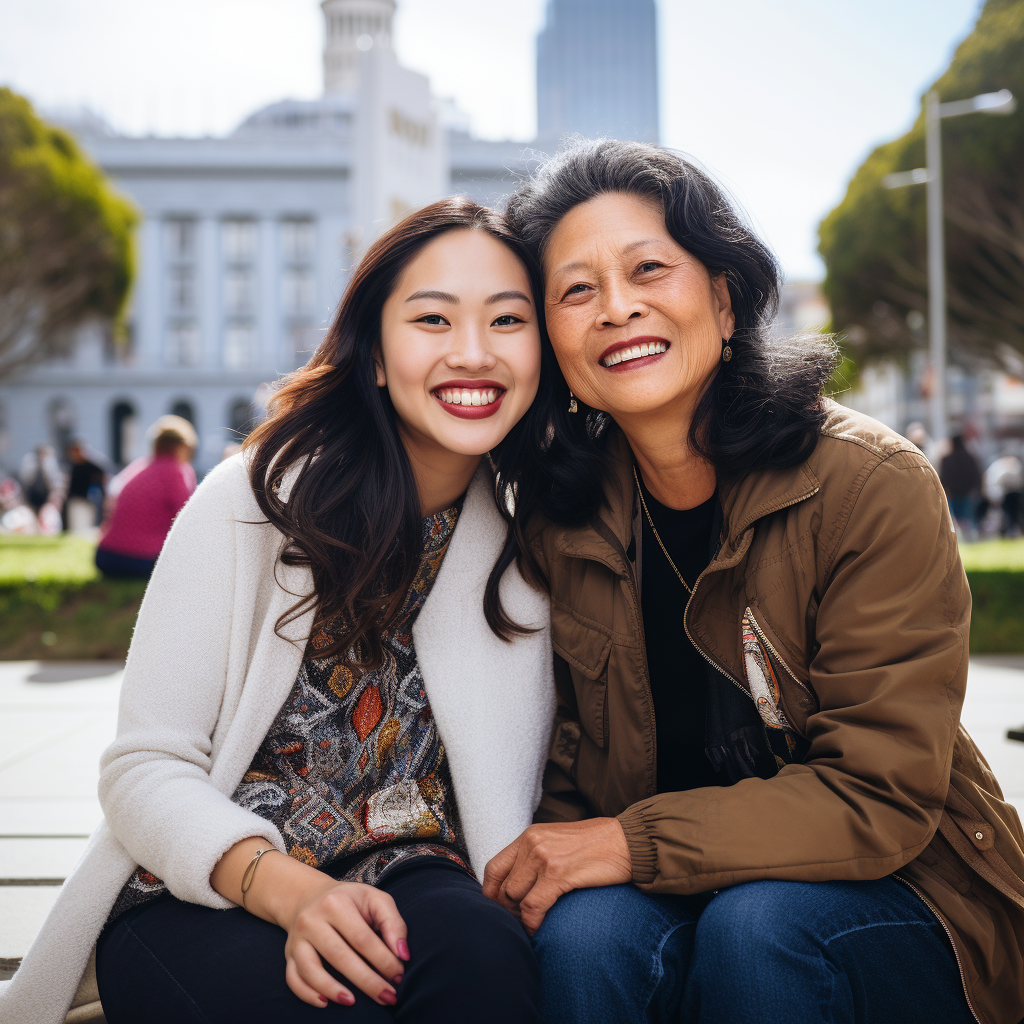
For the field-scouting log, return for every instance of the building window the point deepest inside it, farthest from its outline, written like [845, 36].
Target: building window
[241, 419]
[124, 425]
[185, 409]
[298, 291]
[239, 345]
[296, 241]
[181, 345]
[239, 241]
[239, 289]
[181, 337]
[180, 239]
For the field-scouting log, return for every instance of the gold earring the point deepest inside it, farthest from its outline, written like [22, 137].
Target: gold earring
[573, 407]
[726, 351]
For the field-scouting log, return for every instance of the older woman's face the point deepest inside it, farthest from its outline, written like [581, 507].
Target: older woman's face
[636, 322]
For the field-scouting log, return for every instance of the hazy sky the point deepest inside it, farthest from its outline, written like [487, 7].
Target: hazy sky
[781, 100]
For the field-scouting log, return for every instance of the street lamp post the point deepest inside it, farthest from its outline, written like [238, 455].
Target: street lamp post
[1001, 102]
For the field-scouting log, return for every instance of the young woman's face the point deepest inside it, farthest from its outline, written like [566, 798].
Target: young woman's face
[460, 344]
[636, 322]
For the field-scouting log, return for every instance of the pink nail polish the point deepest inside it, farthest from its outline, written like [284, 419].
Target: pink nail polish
[397, 979]
[323, 999]
[403, 949]
[389, 997]
[346, 998]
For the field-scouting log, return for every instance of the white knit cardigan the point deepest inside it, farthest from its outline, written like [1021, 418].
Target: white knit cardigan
[205, 677]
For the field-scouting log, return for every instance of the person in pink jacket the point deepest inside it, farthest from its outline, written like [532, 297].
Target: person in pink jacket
[149, 493]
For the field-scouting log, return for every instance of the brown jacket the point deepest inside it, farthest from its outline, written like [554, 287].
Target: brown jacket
[847, 572]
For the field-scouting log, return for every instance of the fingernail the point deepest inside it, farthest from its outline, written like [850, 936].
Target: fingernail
[346, 998]
[397, 979]
[403, 949]
[388, 996]
[323, 999]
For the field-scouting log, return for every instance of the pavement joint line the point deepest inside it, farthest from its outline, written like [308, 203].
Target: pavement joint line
[13, 759]
[17, 882]
[45, 835]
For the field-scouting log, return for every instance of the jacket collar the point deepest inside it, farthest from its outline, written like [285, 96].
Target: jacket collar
[744, 502]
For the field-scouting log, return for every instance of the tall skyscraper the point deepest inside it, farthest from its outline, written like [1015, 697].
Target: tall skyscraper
[597, 70]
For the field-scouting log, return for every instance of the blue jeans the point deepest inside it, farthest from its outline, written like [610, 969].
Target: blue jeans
[776, 952]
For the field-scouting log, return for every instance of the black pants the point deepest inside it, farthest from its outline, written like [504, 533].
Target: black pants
[170, 962]
[110, 563]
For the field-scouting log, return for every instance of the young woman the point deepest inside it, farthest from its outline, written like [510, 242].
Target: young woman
[332, 714]
[759, 805]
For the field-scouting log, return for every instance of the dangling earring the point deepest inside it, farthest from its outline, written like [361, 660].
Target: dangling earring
[726, 351]
[573, 407]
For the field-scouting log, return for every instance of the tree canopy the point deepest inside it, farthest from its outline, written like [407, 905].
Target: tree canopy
[874, 242]
[66, 249]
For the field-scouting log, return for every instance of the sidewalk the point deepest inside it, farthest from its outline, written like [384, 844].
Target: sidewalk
[57, 718]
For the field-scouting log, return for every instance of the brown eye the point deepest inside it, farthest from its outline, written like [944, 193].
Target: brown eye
[433, 320]
[648, 266]
[507, 320]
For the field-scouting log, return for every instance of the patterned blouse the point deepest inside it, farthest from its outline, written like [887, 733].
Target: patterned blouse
[353, 772]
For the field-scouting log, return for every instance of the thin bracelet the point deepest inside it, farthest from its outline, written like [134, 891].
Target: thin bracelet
[250, 873]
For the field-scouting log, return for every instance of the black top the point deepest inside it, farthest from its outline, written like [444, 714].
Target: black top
[677, 671]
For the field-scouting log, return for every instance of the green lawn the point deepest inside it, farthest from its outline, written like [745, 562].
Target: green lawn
[55, 605]
[994, 555]
[46, 560]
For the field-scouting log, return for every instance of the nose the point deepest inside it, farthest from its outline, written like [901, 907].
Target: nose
[469, 350]
[622, 303]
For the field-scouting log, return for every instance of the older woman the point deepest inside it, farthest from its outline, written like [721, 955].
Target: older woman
[759, 804]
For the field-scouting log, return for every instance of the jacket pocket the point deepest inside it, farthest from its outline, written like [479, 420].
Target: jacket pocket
[585, 647]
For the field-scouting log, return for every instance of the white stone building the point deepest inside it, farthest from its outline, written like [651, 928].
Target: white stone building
[246, 243]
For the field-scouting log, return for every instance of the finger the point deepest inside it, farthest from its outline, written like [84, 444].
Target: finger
[520, 880]
[307, 978]
[384, 916]
[536, 903]
[335, 949]
[497, 868]
[370, 946]
[506, 901]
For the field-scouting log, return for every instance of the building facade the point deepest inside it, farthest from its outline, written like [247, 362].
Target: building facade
[597, 70]
[245, 247]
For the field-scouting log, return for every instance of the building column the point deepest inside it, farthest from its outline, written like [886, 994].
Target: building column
[268, 310]
[149, 307]
[209, 283]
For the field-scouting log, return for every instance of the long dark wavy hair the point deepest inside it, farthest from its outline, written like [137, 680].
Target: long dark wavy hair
[353, 513]
[762, 410]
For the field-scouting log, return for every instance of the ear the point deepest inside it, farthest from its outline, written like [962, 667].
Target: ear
[726, 317]
[378, 371]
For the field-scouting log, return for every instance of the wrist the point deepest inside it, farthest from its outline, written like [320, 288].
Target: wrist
[281, 886]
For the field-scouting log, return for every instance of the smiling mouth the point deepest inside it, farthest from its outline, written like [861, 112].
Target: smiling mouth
[639, 351]
[469, 403]
[475, 397]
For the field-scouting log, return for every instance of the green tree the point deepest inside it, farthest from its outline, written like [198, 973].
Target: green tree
[66, 250]
[874, 241]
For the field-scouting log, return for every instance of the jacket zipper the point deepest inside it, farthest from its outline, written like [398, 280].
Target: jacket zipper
[647, 673]
[956, 952]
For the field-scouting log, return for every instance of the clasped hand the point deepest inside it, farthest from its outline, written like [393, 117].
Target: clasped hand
[549, 860]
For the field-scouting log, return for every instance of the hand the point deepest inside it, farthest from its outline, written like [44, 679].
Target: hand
[547, 861]
[356, 928]
[340, 922]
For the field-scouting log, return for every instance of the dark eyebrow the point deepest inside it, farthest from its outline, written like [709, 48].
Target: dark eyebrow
[438, 296]
[583, 264]
[507, 297]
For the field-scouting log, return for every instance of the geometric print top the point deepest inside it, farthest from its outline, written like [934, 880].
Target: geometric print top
[352, 771]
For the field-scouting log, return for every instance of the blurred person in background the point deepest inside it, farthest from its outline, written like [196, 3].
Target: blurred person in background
[1003, 485]
[918, 435]
[960, 476]
[146, 495]
[42, 485]
[86, 482]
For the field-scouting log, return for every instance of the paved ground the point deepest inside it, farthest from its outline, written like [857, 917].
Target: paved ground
[56, 718]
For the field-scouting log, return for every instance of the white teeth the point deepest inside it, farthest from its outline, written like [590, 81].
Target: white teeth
[624, 355]
[464, 396]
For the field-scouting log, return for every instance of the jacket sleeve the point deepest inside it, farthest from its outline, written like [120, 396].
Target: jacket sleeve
[889, 674]
[155, 786]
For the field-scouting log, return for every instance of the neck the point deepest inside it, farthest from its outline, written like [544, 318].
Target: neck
[441, 476]
[674, 474]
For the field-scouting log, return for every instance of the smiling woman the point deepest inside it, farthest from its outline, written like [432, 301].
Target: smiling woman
[331, 716]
